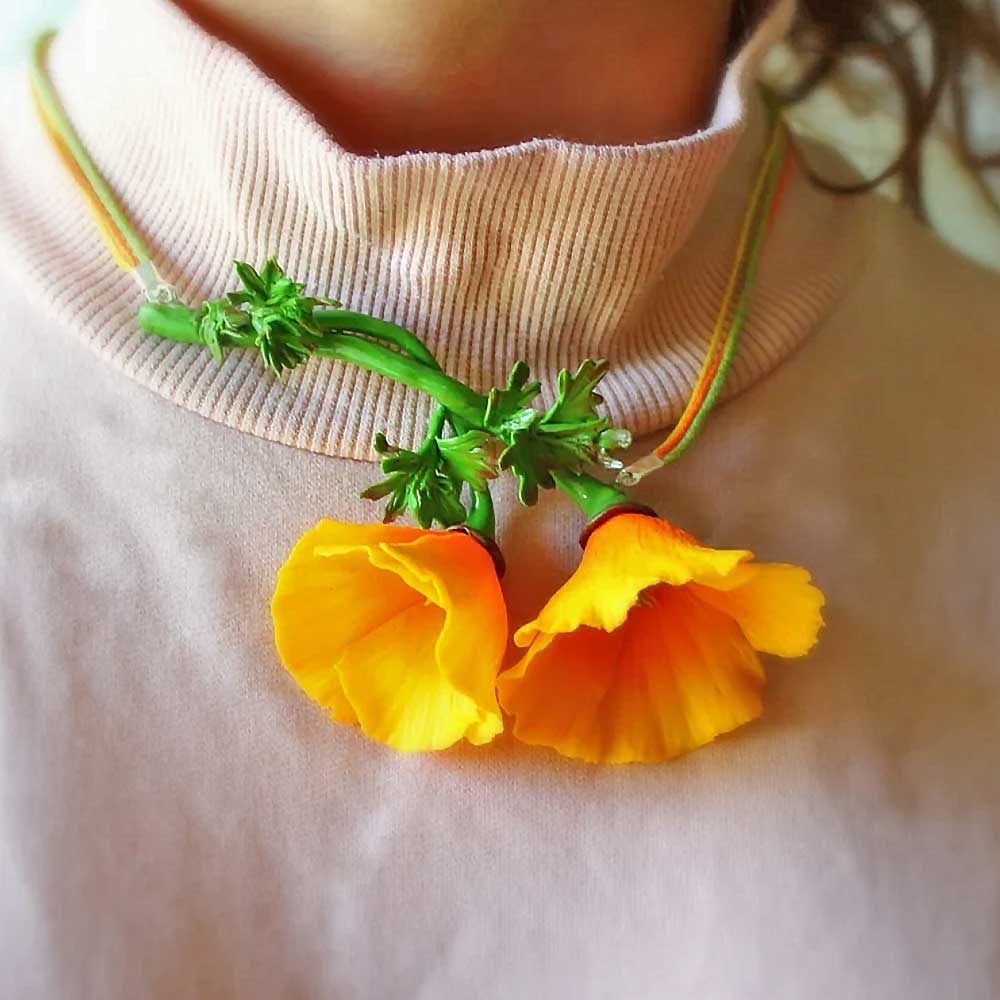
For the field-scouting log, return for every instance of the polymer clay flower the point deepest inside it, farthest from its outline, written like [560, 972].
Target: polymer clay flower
[398, 630]
[650, 649]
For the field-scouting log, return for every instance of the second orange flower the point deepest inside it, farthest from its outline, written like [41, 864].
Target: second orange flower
[650, 649]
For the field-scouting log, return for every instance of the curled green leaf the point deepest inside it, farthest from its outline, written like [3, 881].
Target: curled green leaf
[470, 458]
[569, 436]
[576, 399]
[418, 481]
[509, 408]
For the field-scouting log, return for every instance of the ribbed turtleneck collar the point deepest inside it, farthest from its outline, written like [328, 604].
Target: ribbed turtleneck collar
[551, 251]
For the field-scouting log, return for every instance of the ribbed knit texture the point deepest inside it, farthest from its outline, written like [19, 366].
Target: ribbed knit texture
[551, 251]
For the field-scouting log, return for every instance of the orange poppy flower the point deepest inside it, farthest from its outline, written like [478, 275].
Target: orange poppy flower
[650, 649]
[399, 630]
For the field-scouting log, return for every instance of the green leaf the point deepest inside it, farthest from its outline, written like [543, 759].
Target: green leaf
[508, 409]
[441, 504]
[210, 334]
[395, 506]
[214, 321]
[421, 482]
[286, 295]
[271, 272]
[468, 458]
[377, 491]
[530, 457]
[252, 281]
[537, 451]
[382, 445]
[282, 318]
[576, 399]
[570, 435]
[270, 313]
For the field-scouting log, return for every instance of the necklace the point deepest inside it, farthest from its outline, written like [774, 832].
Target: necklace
[432, 678]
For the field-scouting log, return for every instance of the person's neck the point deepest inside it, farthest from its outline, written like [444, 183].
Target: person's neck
[390, 76]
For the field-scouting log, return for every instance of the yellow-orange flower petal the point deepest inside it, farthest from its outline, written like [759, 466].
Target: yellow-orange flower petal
[776, 606]
[623, 557]
[397, 629]
[649, 649]
[674, 676]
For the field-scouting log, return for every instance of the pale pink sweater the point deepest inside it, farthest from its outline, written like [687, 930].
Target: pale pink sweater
[549, 251]
[177, 820]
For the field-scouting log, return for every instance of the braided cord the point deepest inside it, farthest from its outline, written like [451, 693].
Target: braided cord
[765, 197]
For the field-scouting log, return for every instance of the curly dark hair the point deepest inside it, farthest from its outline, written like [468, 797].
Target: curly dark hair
[959, 31]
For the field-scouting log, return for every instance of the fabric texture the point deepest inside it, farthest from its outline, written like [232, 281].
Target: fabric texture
[178, 820]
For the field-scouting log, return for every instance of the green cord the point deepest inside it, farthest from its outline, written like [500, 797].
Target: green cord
[63, 127]
[739, 316]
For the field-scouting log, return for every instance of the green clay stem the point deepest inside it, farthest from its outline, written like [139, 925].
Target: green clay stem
[591, 495]
[449, 392]
[181, 323]
[481, 517]
[64, 128]
[435, 425]
[346, 321]
[172, 320]
[343, 320]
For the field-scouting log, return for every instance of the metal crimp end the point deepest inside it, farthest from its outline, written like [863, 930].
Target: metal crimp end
[152, 285]
[631, 475]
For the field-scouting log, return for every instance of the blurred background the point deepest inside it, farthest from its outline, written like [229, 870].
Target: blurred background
[858, 113]
[21, 19]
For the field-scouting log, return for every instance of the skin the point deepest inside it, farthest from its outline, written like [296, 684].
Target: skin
[390, 76]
